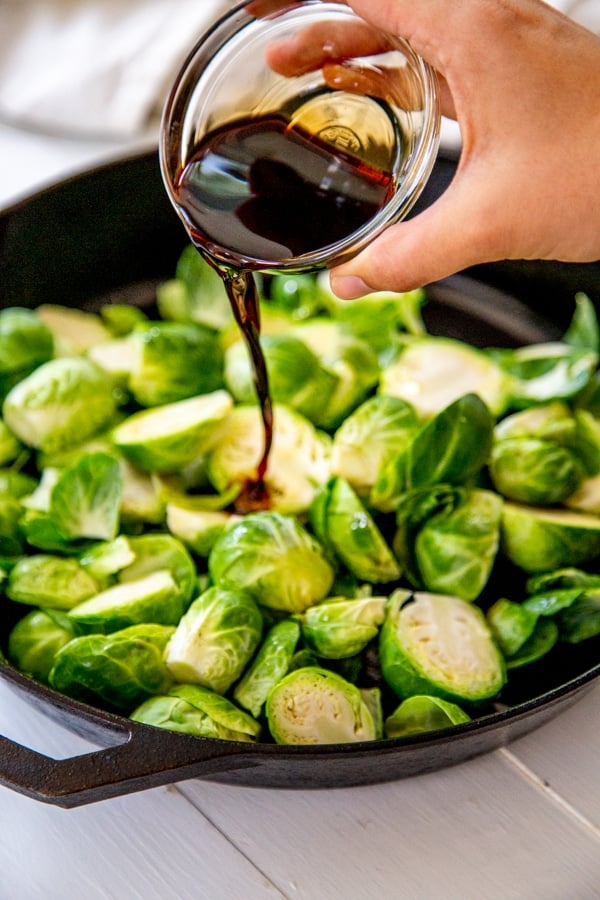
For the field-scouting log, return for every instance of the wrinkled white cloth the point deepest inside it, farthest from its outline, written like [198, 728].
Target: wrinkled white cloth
[102, 67]
[94, 67]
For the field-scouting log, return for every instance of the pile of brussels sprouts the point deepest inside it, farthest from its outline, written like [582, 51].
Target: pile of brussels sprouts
[409, 474]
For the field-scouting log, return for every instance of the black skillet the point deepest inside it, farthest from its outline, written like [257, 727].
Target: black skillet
[112, 233]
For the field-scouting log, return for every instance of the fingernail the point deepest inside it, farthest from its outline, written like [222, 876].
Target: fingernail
[348, 287]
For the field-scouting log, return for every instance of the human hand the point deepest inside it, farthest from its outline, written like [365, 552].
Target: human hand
[523, 82]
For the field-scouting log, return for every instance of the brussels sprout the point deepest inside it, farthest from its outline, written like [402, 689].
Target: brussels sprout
[198, 529]
[587, 434]
[195, 294]
[116, 358]
[298, 463]
[215, 639]
[168, 437]
[36, 639]
[271, 663]
[106, 558]
[121, 318]
[274, 558]
[539, 373]
[549, 422]
[447, 539]
[372, 699]
[512, 624]
[581, 619]
[542, 640]
[61, 403]
[25, 343]
[154, 552]
[296, 377]
[298, 294]
[421, 714]
[86, 498]
[451, 448]
[432, 372]
[174, 361]
[141, 500]
[73, 329]
[191, 709]
[119, 669]
[378, 430]
[50, 581]
[530, 470]
[154, 598]
[316, 706]
[338, 627]
[572, 597]
[539, 540]
[342, 522]
[351, 360]
[439, 645]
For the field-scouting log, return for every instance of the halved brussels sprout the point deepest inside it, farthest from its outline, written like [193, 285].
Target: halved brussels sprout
[275, 559]
[539, 540]
[174, 361]
[192, 709]
[369, 437]
[215, 639]
[165, 438]
[36, 639]
[116, 358]
[299, 461]
[154, 552]
[154, 598]
[439, 645]
[421, 714]
[271, 663]
[298, 294]
[198, 529]
[447, 538]
[50, 581]
[61, 403]
[105, 559]
[117, 670]
[121, 318]
[141, 500]
[343, 523]
[73, 330]
[534, 471]
[317, 706]
[432, 372]
[338, 627]
[451, 448]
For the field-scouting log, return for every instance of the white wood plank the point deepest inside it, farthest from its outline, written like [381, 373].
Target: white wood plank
[153, 845]
[564, 754]
[478, 831]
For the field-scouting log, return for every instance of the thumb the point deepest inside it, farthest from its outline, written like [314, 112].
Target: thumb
[449, 235]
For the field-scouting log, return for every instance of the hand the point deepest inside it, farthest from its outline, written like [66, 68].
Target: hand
[523, 82]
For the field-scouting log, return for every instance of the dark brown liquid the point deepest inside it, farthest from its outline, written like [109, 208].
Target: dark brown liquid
[257, 191]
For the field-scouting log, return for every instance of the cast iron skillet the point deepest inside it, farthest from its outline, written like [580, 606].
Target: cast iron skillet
[112, 233]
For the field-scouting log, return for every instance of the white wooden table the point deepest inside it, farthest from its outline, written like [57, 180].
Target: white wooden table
[521, 823]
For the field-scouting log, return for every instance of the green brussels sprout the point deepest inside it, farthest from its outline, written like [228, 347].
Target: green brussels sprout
[107, 558]
[432, 372]
[121, 318]
[275, 559]
[192, 709]
[351, 360]
[297, 293]
[421, 714]
[542, 640]
[375, 432]
[117, 670]
[86, 498]
[154, 552]
[271, 662]
[73, 330]
[298, 463]
[441, 646]
[198, 529]
[581, 619]
[317, 706]
[512, 624]
[587, 434]
[215, 639]
[36, 639]
[25, 343]
[338, 628]
[539, 540]
[141, 500]
[548, 422]
[447, 539]
[540, 373]
[195, 294]
[165, 438]
[534, 471]
[154, 598]
[174, 361]
[61, 403]
[296, 377]
[343, 523]
[50, 581]
[571, 597]
[451, 448]
[116, 359]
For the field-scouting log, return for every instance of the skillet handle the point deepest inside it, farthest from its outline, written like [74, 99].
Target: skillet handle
[146, 757]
